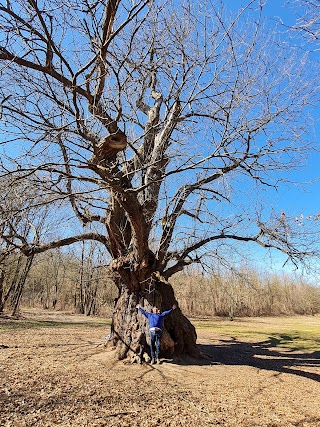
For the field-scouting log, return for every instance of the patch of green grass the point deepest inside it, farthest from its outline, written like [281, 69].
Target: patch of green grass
[296, 341]
[301, 333]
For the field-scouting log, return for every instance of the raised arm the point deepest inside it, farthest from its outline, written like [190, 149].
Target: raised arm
[164, 313]
[138, 306]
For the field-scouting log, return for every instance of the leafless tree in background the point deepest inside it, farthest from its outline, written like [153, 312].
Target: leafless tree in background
[20, 219]
[155, 124]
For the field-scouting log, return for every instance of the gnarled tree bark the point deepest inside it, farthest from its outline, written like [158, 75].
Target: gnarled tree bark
[129, 330]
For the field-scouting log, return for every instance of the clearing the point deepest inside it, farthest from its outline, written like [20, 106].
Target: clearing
[263, 372]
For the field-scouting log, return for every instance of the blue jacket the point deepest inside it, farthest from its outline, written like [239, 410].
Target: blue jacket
[155, 320]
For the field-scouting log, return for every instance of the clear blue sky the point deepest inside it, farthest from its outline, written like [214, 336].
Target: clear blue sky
[302, 196]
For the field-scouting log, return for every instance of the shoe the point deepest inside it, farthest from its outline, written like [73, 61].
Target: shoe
[158, 361]
[153, 362]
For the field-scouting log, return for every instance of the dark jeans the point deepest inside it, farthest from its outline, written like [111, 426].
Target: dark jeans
[155, 338]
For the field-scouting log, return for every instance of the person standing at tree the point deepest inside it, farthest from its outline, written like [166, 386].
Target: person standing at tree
[155, 319]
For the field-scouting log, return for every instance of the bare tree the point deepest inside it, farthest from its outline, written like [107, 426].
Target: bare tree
[147, 121]
[23, 223]
[89, 279]
[308, 18]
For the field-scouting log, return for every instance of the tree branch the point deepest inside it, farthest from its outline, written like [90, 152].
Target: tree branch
[29, 250]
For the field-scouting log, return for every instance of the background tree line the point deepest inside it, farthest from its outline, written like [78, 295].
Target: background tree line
[78, 282]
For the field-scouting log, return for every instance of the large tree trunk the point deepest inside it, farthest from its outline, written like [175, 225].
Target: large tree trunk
[130, 332]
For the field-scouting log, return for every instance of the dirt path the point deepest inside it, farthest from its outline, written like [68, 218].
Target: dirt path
[61, 375]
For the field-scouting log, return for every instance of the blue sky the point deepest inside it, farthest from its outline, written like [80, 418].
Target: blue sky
[301, 196]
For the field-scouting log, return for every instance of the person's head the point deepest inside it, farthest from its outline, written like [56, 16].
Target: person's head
[155, 310]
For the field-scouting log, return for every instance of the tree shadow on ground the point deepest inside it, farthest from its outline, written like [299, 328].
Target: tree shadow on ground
[261, 355]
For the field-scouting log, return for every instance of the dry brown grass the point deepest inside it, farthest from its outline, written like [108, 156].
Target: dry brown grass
[55, 371]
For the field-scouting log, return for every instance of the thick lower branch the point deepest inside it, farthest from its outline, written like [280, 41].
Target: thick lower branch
[29, 250]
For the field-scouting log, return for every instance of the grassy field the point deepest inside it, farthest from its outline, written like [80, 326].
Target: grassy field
[298, 333]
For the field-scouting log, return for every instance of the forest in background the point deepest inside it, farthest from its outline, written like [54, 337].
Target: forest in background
[80, 283]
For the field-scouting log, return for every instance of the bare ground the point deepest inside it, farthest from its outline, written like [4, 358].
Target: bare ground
[60, 374]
